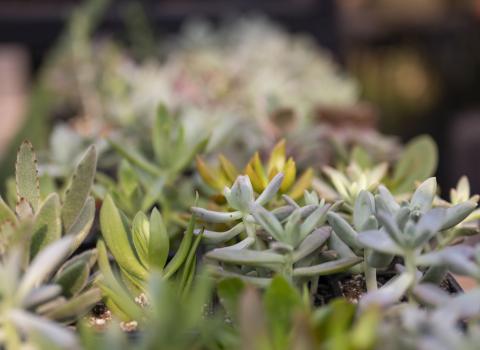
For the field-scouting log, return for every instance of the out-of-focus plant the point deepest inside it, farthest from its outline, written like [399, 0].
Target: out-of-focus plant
[417, 162]
[259, 174]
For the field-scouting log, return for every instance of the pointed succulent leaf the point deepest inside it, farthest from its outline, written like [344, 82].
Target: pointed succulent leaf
[390, 226]
[268, 221]
[277, 157]
[456, 214]
[31, 324]
[41, 295]
[218, 271]
[116, 236]
[208, 176]
[141, 237]
[26, 175]
[327, 268]
[213, 237]
[290, 171]
[310, 197]
[311, 243]
[73, 278]
[303, 183]
[271, 190]
[363, 209]
[159, 243]
[240, 196]
[336, 244]
[291, 231]
[79, 187]
[423, 196]
[245, 257]
[379, 241]
[387, 199]
[343, 229]
[135, 158]
[216, 216]
[229, 170]
[243, 244]
[428, 226]
[182, 251]
[44, 265]
[431, 294]
[314, 220]
[82, 225]
[47, 227]
[77, 307]
[256, 173]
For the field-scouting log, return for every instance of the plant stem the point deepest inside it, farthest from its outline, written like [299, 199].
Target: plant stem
[370, 273]
[409, 259]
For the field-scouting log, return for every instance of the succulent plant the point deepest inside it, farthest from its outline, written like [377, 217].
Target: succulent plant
[408, 231]
[259, 174]
[41, 281]
[31, 297]
[44, 221]
[139, 249]
[294, 236]
[417, 162]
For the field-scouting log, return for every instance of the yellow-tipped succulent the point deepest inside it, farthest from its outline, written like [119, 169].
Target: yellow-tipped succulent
[259, 174]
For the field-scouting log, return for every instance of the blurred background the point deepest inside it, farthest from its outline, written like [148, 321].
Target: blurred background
[414, 64]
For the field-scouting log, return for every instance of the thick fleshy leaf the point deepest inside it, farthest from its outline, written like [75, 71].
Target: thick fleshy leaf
[418, 162]
[303, 183]
[75, 273]
[35, 325]
[390, 226]
[116, 237]
[379, 241]
[428, 226]
[291, 235]
[159, 242]
[218, 271]
[82, 225]
[456, 214]
[47, 226]
[431, 294]
[271, 190]
[75, 308]
[79, 187]
[384, 200]
[216, 216]
[364, 208]
[379, 260]
[141, 237]
[311, 243]
[246, 257]
[41, 295]
[423, 196]
[277, 157]
[281, 301]
[240, 196]
[228, 169]
[44, 265]
[182, 251]
[314, 220]
[343, 230]
[26, 175]
[336, 244]
[214, 237]
[390, 293]
[268, 221]
[327, 268]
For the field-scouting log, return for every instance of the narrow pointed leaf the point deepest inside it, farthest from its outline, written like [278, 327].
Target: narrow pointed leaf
[26, 175]
[327, 268]
[379, 241]
[47, 227]
[159, 243]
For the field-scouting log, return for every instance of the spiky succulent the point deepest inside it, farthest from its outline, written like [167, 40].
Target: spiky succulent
[40, 278]
[260, 175]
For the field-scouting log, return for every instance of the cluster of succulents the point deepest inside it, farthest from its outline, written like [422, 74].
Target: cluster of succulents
[158, 248]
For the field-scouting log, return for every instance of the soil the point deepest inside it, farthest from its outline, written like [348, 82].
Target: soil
[352, 287]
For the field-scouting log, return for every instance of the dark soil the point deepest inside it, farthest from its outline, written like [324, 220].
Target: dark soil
[352, 287]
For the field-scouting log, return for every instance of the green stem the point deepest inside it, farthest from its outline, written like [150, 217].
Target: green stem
[411, 269]
[370, 273]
